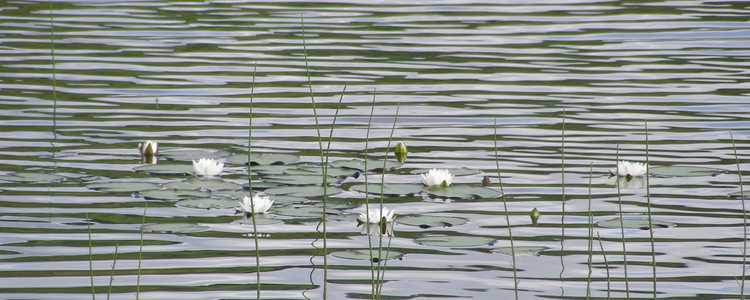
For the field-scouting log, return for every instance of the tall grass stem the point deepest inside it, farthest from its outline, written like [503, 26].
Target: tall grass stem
[744, 219]
[507, 217]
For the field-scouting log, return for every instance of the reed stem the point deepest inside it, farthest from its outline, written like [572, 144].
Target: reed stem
[140, 255]
[112, 276]
[250, 182]
[744, 219]
[648, 206]
[91, 258]
[507, 217]
[622, 226]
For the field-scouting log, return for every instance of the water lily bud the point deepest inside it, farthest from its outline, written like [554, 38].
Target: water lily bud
[401, 152]
[486, 181]
[534, 215]
[148, 148]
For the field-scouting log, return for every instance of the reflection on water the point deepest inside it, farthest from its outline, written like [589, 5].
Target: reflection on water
[455, 68]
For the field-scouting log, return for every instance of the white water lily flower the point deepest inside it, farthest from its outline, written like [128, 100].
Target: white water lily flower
[208, 167]
[375, 215]
[148, 148]
[261, 204]
[634, 169]
[441, 177]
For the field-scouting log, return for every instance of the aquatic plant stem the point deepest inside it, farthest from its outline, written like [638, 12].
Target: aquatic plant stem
[367, 196]
[590, 234]
[112, 276]
[622, 227]
[250, 183]
[507, 217]
[606, 266]
[91, 258]
[381, 275]
[140, 255]
[648, 205]
[323, 165]
[562, 203]
[744, 219]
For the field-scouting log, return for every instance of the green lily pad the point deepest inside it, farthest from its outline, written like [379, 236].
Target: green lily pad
[263, 159]
[520, 251]
[189, 155]
[260, 185]
[165, 169]
[305, 211]
[272, 169]
[307, 191]
[635, 223]
[376, 257]
[174, 228]
[431, 221]
[372, 165]
[123, 186]
[208, 203]
[390, 190]
[299, 179]
[172, 194]
[681, 171]
[31, 177]
[210, 184]
[457, 172]
[317, 170]
[455, 241]
[462, 191]
[341, 204]
[262, 219]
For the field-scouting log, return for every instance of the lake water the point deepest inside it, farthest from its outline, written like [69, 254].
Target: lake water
[569, 87]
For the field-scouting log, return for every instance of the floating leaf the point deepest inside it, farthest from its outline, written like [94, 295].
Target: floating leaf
[455, 241]
[192, 154]
[262, 219]
[123, 186]
[681, 171]
[341, 204]
[165, 169]
[305, 211]
[635, 223]
[208, 203]
[31, 177]
[264, 159]
[462, 191]
[260, 185]
[520, 251]
[390, 190]
[303, 191]
[272, 170]
[174, 228]
[431, 221]
[739, 194]
[372, 165]
[317, 170]
[172, 194]
[211, 184]
[457, 172]
[299, 179]
[365, 255]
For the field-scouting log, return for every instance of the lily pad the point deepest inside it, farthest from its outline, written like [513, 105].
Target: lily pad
[317, 170]
[165, 169]
[299, 179]
[303, 191]
[272, 169]
[455, 241]
[365, 255]
[172, 194]
[174, 228]
[123, 186]
[260, 220]
[739, 194]
[520, 251]
[192, 154]
[457, 172]
[261, 185]
[462, 191]
[682, 171]
[372, 165]
[210, 184]
[305, 211]
[635, 223]
[31, 177]
[431, 221]
[208, 203]
[263, 159]
[338, 204]
[390, 190]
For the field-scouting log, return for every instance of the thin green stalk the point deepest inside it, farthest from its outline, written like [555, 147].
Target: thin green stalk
[648, 205]
[606, 265]
[112, 276]
[744, 219]
[382, 196]
[367, 197]
[562, 213]
[591, 234]
[507, 216]
[323, 165]
[54, 67]
[250, 182]
[140, 255]
[622, 227]
[91, 258]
